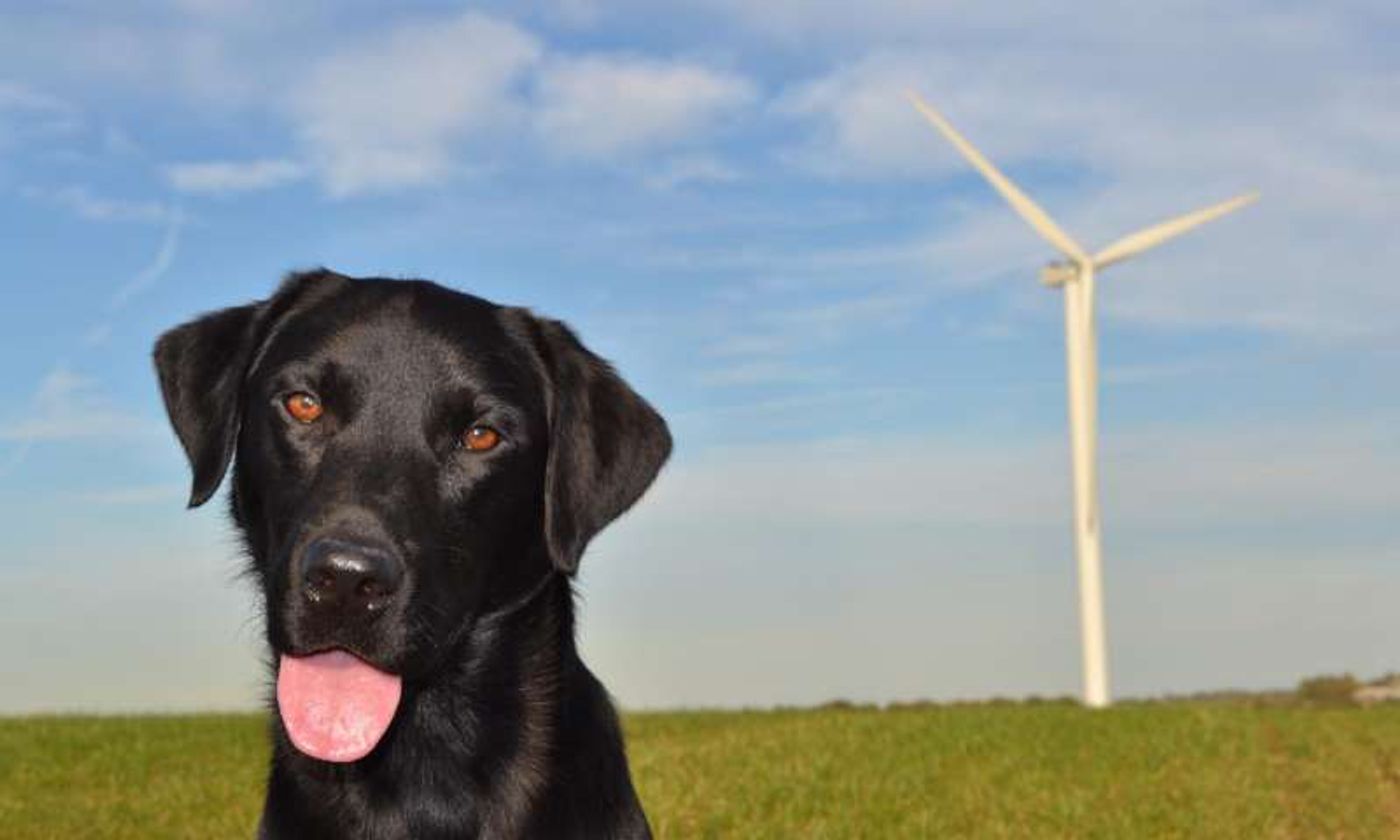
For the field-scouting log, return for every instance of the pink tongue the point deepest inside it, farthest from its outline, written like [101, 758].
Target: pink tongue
[335, 705]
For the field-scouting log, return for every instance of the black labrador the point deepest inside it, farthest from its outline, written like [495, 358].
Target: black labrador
[416, 473]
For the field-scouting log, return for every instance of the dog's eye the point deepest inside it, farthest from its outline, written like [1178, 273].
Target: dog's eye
[304, 407]
[480, 439]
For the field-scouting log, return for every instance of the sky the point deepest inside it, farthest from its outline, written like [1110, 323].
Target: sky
[841, 322]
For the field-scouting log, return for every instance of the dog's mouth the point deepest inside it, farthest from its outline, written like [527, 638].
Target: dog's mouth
[334, 705]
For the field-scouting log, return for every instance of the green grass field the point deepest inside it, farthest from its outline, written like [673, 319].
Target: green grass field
[1052, 770]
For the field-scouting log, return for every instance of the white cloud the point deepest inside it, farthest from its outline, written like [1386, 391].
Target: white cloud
[600, 106]
[774, 345]
[30, 114]
[881, 308]
[224, 177]
[117, 142]
[69, 406]
[58, 386]
[393, 113]
[97, 335]
[228, 57]
[18, 97]
[692, 169]
[82, 202]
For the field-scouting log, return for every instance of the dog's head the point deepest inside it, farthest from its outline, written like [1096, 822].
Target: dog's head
[406, 458]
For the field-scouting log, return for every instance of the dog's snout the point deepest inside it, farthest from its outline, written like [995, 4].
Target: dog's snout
[349, 576]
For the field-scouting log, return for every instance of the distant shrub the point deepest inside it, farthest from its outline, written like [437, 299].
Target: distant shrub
[1328, 690]
[1059, 700]
[911, 705]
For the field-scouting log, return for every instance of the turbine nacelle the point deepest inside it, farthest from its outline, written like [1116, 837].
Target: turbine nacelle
[1056, 274]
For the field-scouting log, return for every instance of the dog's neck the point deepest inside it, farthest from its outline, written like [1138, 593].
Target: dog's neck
[512, 668]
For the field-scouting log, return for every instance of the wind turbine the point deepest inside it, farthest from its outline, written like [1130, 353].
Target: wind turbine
[1076, 275]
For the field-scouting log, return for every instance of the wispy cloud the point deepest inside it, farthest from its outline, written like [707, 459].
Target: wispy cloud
[69, 406]
[779, 409]
[228, 177]
[750, 344]
[692, 169]
[1141, 374]
[149, 275]
[879, 307]
[967, 248]
[601, 106]
[17, 97]
[764, 372]
[97, 335]
[85, 204]
[30, 114]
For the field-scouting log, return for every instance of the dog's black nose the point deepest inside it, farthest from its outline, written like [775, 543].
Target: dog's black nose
[348, 576]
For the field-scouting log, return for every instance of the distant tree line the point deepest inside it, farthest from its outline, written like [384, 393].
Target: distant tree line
[1322, 690]
[1346, 690]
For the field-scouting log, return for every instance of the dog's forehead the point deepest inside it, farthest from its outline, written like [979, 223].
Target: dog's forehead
[402, 329]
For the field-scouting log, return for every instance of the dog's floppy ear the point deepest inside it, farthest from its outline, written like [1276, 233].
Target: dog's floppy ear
[202, 366]
[606, 443]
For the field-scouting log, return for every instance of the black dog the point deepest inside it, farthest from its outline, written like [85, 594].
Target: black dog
[416, 474]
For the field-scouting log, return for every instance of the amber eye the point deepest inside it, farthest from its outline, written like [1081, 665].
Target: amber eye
[304, 407]
[481, 439]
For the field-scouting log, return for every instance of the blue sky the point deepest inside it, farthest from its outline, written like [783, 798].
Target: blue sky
[735, 203]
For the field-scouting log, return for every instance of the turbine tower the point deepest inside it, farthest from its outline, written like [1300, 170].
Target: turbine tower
[1076, 275]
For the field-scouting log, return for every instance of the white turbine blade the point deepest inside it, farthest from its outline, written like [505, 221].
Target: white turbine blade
[1028, 209]
[1136, 243]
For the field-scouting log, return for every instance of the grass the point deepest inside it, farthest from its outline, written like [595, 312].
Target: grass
[993, 771]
